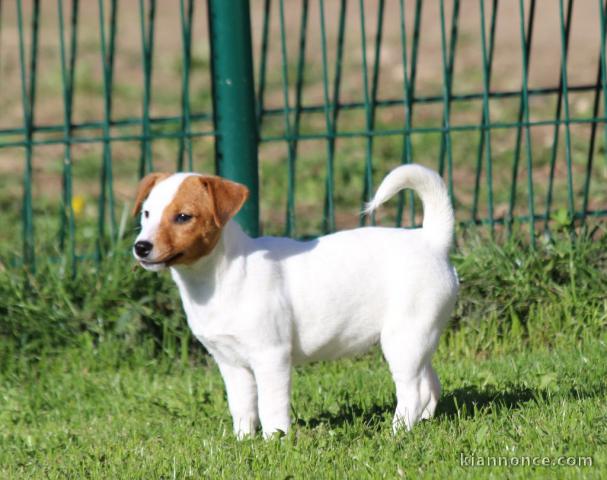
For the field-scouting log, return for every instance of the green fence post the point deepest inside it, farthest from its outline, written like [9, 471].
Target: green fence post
[234, 102]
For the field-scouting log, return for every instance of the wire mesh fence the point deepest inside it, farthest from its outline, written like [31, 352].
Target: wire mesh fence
[506, 103]
[506, 99]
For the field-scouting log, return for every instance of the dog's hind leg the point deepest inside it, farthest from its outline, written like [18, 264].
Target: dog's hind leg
[407, 360]
[431, 381]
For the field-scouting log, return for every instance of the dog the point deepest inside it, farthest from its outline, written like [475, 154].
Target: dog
[262, 305]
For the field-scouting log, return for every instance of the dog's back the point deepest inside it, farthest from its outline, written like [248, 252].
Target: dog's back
[343, 288]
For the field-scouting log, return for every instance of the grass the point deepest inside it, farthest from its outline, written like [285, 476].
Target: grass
[106, 413]
[102, 380]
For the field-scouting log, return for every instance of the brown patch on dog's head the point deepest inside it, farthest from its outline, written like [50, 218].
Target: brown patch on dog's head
[191, 224]
[145, 187]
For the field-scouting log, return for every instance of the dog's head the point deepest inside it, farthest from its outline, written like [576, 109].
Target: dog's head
[182, 216]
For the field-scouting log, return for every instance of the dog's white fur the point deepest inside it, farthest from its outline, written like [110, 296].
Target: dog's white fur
[262, 305]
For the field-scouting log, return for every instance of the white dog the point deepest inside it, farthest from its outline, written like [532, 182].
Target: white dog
[261, 305]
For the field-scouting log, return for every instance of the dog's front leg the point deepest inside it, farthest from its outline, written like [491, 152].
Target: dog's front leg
[273, 375]
[242, 398]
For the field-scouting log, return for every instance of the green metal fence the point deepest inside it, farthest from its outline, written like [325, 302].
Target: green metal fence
[506, 99]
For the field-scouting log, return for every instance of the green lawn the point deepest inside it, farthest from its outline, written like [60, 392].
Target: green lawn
[99, 378]
[92, 413]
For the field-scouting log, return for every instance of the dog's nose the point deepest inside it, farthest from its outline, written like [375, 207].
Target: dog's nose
[143, 248]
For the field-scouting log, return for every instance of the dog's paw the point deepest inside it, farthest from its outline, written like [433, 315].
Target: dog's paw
[244, 435]
[274, 434]
[400, 423]
[244, 429]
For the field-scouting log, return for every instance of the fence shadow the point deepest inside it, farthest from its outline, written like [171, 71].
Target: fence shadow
[465, 402]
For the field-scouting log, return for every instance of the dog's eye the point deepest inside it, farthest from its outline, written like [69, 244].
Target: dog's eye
[146, 214]
[182, 218]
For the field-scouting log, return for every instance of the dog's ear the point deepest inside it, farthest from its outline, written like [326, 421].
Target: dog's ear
[145, 186]
[227, 197]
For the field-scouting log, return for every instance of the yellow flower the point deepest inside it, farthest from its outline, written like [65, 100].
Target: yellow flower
[78, 205]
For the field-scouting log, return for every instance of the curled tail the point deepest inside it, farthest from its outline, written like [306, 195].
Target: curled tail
[438, 221]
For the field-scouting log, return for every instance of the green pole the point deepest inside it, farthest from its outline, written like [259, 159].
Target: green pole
[234, 102]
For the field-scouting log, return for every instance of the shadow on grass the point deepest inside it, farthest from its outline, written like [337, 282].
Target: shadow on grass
[468, 402]
[465, 402]
[370, 415]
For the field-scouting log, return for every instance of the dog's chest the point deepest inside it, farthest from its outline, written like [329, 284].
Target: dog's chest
[212, 325]
[225, 349]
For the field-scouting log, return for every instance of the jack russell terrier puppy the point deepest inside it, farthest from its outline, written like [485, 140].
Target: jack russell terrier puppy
[262, 305]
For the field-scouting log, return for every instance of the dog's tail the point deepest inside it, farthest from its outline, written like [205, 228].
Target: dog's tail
[438, 221]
